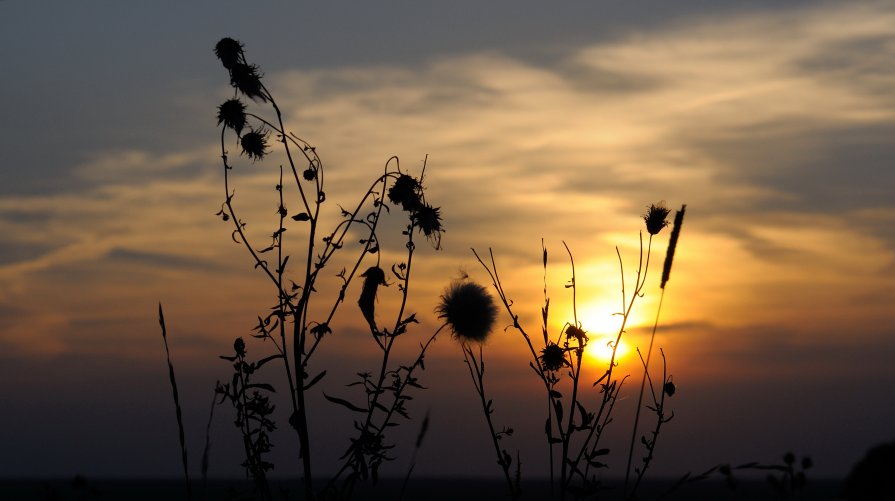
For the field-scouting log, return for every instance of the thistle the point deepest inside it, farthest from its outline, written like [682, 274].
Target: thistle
[406, 192]
[655, 218]
[233, 115]
[553, 357]
[469, 311]
[254, 144]
[428, 220]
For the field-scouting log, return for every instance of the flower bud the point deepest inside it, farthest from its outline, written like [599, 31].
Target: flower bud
[655, 218]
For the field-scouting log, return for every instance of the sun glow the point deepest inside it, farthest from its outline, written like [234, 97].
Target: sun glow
[602, 324]
[599, 350]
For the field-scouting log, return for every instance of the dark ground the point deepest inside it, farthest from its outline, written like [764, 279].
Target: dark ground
[463, 489]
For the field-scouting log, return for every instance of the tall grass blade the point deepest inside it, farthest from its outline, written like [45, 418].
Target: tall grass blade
[183, 454]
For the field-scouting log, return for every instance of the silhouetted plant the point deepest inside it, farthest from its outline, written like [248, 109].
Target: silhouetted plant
[871, 478]
[575, 424]
[299, 320]
[654, 217]
[469, 311]
[386, 392]
[178, 410]
[253, 414]
[785, 479]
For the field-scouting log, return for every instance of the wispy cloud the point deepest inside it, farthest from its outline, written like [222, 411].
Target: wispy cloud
[773, 127]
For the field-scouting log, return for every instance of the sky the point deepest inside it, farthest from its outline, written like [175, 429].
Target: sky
[773, 123]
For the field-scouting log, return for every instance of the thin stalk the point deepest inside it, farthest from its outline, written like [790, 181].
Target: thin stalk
[639, 282]
[477, 374]
[649, 352]
[177, 408]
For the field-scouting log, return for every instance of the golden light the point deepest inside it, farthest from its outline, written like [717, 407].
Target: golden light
[602, 322]
[599, 350]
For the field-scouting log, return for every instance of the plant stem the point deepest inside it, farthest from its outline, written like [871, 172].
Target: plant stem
[649, 352]
[477, 373]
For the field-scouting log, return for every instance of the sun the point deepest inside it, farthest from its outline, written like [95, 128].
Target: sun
[602, 324]
[599, 349]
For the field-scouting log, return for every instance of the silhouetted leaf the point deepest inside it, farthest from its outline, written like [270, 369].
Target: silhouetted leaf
[344, 403]
[264, 360]
[314, 381]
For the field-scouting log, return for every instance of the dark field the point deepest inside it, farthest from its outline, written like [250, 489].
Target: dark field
[464, 489]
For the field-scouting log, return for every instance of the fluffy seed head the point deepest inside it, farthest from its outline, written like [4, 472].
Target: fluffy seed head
[655, 218]
[469, 311]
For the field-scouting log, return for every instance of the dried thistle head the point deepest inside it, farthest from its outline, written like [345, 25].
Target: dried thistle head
[469, 311]
[232, 114]
[406, 192]
[254, 143]
[553, 357]
[655, 218]
[577, 333]
[229, 51]
[428, 220]
[246, 79]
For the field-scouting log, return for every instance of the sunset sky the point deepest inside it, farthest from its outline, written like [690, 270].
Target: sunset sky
[775, 125]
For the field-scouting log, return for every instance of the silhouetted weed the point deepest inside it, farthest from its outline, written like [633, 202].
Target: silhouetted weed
[178, 410]
[576, 421]
[785, 479]
[301, 319]
[253, 414]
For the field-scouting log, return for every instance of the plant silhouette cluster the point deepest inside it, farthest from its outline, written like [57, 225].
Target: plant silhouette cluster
[576, 420]
[579, 404]
[301, 318]
[254, 413]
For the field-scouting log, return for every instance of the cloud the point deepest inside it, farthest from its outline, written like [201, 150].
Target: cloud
[774, 127]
